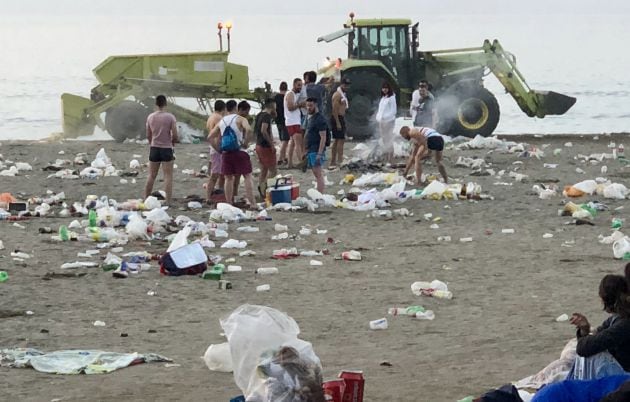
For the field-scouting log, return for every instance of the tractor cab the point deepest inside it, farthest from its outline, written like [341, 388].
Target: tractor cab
[385, 40]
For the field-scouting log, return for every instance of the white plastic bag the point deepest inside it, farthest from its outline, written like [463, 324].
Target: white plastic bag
[158, 216]
[137, 227]
[152, 203]
[219, 358]
[586, 186]
[616, 191]
[101, 161]
[180, 239]
[270, 362]
[434, 188]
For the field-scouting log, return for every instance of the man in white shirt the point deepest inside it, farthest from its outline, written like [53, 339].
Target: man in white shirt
[422, 108]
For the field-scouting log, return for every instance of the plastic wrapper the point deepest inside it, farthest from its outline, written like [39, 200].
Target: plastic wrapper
[270, 363]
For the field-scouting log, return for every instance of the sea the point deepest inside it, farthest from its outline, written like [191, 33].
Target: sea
[584, 56]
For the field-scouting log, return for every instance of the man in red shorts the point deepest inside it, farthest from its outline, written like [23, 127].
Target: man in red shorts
[265, 147]
[293, 121]
[234, 163]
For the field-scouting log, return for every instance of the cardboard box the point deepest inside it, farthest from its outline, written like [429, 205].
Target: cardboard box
[355, 384]
[334, 389]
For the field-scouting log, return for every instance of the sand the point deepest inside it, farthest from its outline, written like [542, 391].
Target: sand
[499, 327]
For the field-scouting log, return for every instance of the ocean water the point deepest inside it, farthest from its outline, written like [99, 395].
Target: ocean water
[579, 55]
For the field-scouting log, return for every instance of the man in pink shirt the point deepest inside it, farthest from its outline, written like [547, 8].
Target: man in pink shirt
[162, 135]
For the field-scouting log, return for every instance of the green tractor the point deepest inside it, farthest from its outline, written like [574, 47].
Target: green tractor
[386, 50]
[128, 86]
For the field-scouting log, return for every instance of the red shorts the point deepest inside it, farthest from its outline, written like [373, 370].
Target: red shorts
[294, 129]
[266, 156]
[235, 163]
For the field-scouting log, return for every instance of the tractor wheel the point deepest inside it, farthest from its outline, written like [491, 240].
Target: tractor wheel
[363, 96]
[468, 110]
[126, 120]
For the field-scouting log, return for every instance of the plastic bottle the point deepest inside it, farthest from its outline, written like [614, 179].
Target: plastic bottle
[92, 218]
[63, 233]
[4, 276]
[410, 311]
[267, 271]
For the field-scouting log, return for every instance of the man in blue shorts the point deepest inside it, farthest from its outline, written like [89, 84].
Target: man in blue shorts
[316, 138]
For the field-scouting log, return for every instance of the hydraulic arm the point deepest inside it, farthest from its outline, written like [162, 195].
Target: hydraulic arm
[503, 65]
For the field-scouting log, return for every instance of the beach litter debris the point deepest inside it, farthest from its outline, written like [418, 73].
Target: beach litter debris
[436, 288]
[74, 361]
[379, 324]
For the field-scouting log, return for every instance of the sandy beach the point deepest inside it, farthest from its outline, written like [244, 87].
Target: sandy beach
[499, 327]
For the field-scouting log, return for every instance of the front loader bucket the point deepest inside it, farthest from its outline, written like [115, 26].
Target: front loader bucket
[76, 121]
[550, 102]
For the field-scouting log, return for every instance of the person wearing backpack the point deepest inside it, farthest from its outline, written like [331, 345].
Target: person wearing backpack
[230, 137]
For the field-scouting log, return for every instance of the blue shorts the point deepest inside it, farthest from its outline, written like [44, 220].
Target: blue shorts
[311, 159]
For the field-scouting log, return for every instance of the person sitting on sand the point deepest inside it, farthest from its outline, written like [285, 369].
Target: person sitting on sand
[424, 139]
[215, 157]
[605, 352]
[162, 135]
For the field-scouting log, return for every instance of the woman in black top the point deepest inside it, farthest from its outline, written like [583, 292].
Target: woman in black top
[607, 351]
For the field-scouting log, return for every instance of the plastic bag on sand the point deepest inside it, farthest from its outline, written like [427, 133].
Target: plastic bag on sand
[180, 239]
[152, 203]
[101, 161]
[219, 358]
[232, 243]
[616, 191]
[418, 287]
[621, 247]
[325, 199]
[270, 362]
[226, 212]
[137, 227]
[158, 216]
[586, 186]
[434, 188]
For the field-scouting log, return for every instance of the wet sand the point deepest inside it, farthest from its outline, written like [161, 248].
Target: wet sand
[499, 327]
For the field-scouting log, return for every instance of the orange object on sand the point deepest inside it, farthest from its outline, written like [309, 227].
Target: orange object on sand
[7, 198]
[571, 191]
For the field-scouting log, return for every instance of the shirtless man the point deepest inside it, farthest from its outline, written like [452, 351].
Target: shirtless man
[424, 139]
[215, 157]
[338, 123]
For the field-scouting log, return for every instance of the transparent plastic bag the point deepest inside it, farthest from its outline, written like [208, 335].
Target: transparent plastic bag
[218, 358]
[137, 228]
[270, 363]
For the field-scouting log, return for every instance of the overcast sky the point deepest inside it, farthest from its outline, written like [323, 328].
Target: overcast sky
[289, 7]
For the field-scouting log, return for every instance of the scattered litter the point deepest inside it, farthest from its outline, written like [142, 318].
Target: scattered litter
[99, 323]
[562, 318]
[381, 323]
